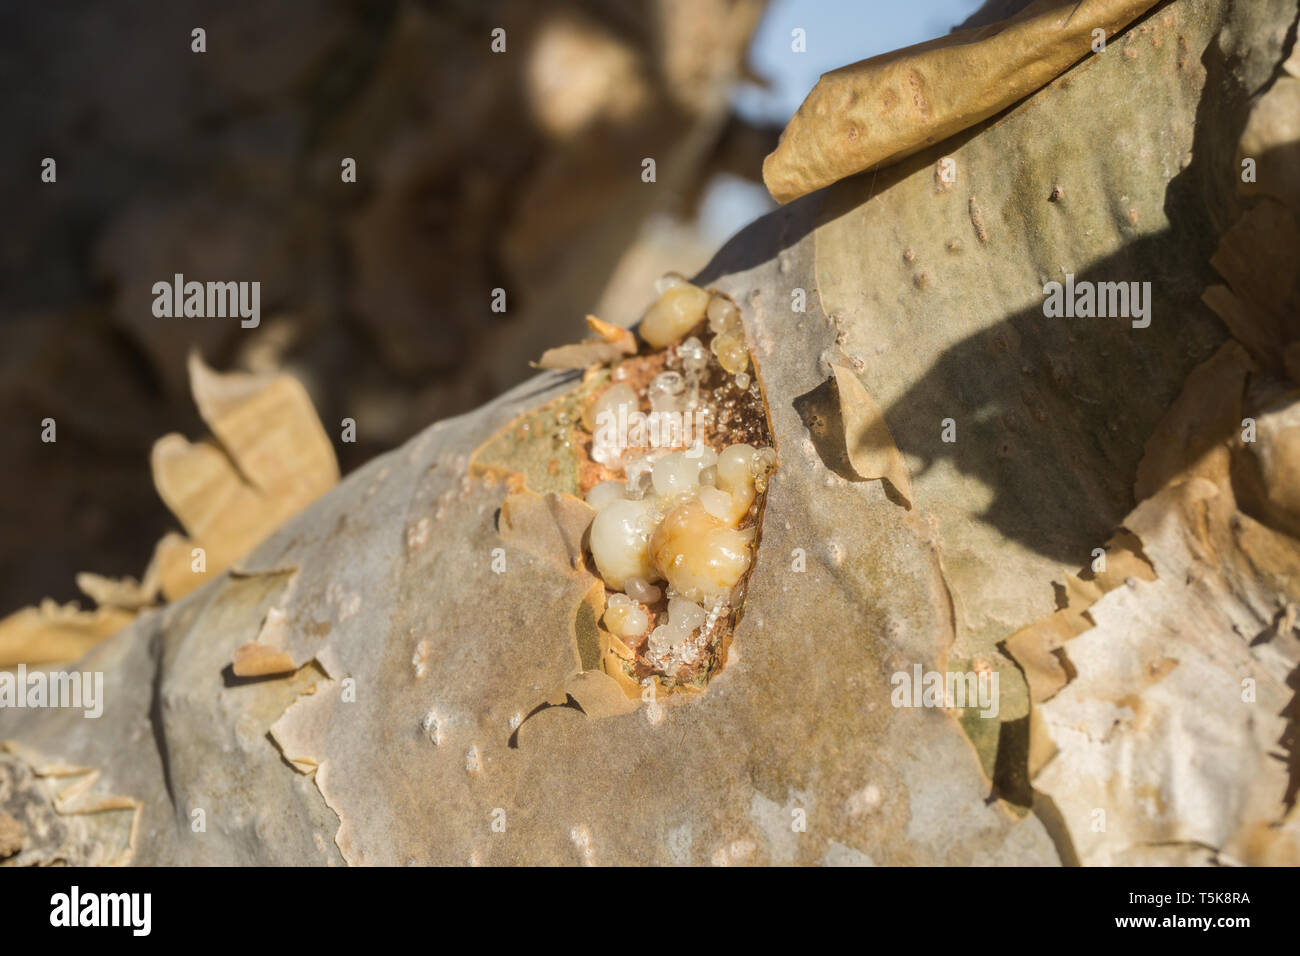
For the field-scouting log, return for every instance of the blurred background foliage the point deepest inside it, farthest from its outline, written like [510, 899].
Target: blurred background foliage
[475, 171]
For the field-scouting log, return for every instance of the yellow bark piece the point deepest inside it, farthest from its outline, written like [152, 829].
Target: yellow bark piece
[878, 111]
[272, 460]
[54, 633]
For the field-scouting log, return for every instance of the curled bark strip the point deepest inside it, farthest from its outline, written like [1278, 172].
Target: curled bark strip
[878, 111]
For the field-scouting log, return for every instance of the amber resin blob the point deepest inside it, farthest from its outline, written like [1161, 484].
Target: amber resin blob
[677, 454]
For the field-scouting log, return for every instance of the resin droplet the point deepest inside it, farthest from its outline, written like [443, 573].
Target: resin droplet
[723, 315]
[674, 314]
[732, 354]
[684, 618]
[624, 619]
[639, 589]
[699, 555]
[620, 537]
[605, 493]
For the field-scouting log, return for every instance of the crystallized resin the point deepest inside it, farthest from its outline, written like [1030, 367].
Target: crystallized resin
[677, 509]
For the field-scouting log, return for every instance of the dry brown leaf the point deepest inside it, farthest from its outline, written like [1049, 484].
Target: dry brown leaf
[881, 110]
[176, 561]
[1257, 257]
[1035, 647]
[1176, 702]
[1041, 649]
[53, 633]
[1191, 438]
[1194, 662]
[1272, 139]
[867, 439]
[1180, 690]
[127, 593]
[1266, 471]
[273, 458]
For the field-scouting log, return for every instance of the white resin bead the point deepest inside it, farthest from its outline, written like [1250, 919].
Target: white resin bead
[607, 442]
[675, 313]
[607, 405]
[717, 503]
[723, 315]
[669, 281]
[736, 467]
[605, 493]
[624, 619]
[684, 617]
[665, 392]
[702, 453]
[639, 589]
[676, 475]
[620, 536]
